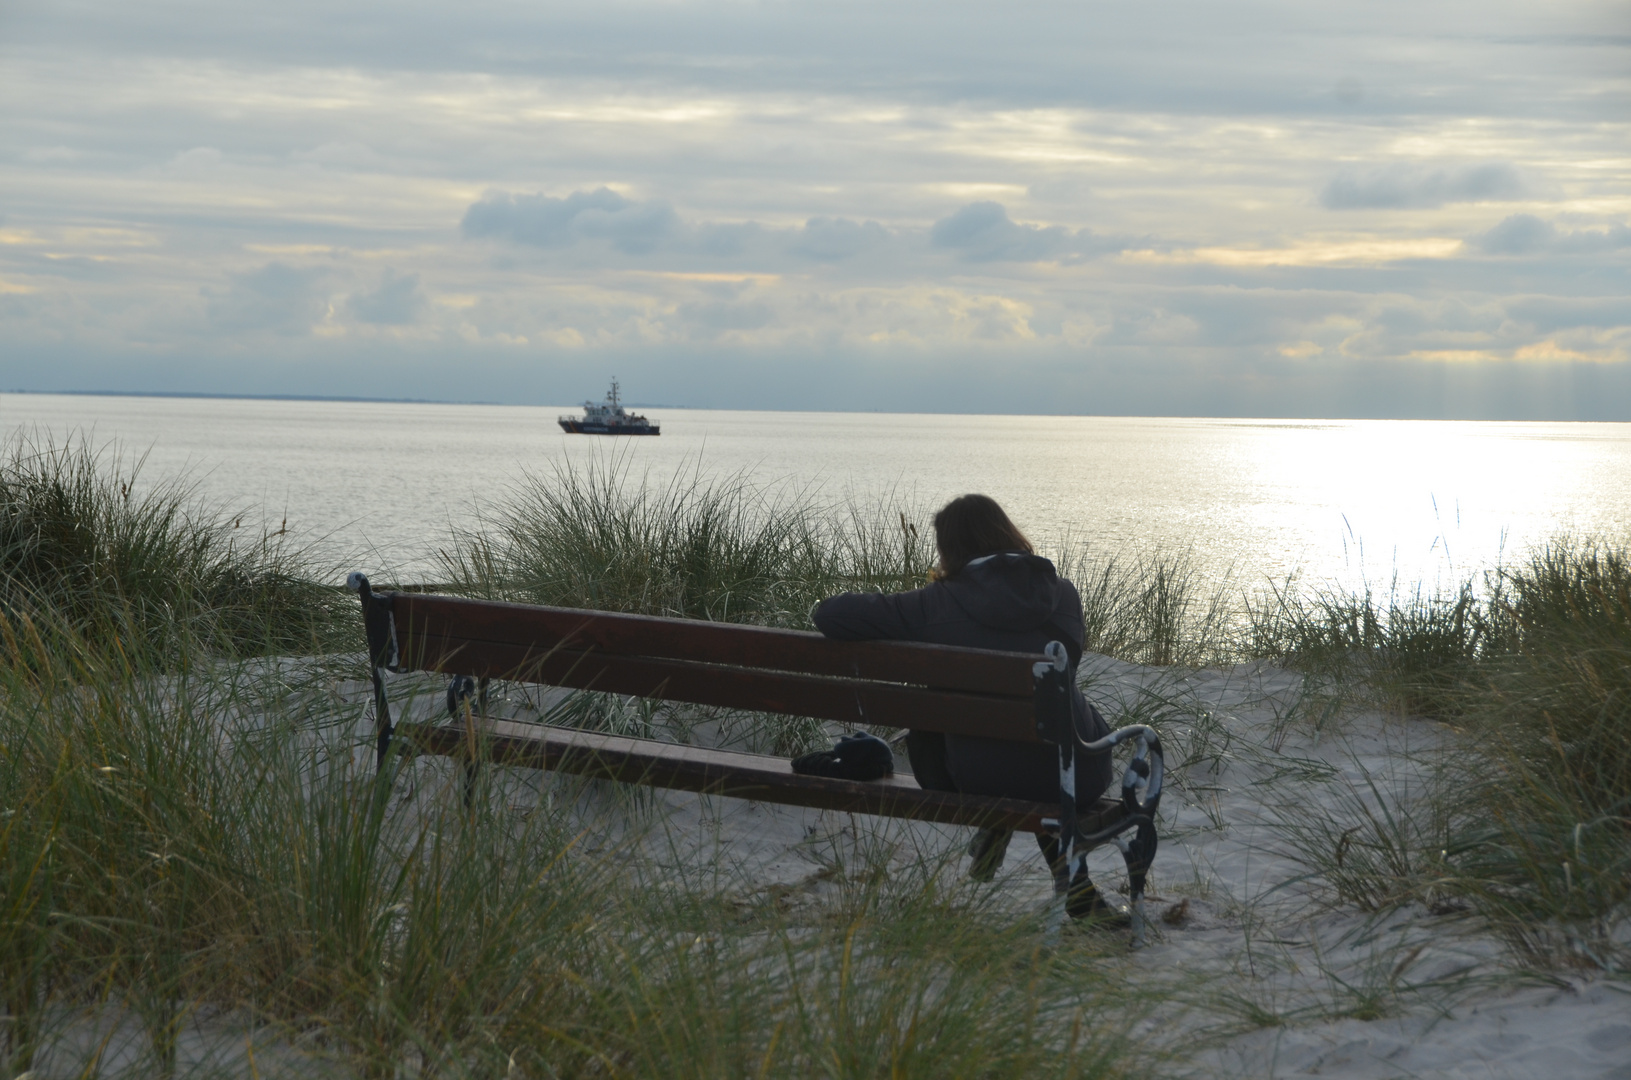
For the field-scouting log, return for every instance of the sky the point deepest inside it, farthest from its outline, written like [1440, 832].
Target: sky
[1183, 208]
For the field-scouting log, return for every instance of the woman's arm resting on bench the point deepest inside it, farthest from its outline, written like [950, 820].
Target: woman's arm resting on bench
[870, 616]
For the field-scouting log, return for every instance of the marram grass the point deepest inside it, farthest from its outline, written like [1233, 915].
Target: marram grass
[595, 535]
[83, 538]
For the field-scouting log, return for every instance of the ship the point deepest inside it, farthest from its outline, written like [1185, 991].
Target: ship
[608, 418]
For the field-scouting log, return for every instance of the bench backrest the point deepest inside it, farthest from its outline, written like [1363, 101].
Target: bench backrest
[897, 684]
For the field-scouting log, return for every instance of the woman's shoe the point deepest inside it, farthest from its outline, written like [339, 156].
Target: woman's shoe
[986, 852]
[1087, 905]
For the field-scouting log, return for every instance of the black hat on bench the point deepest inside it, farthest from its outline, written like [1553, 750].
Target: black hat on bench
[856, 756]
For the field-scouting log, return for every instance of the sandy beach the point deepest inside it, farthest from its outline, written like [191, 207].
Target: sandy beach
[1256, 968]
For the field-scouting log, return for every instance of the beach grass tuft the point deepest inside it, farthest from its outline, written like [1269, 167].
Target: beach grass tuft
[1549, 851]
[1410, 648]
[83, 537]
[1151, 608]
[727, 549]
[1526, 822]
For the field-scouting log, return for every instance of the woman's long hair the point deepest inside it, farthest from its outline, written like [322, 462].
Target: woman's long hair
[971, 526]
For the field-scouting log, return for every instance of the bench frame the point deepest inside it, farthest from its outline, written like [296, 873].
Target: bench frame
[1018, 696]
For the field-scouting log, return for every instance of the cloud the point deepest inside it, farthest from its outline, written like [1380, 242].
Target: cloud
[983, 232]
[277, 298]
[397, 301]
[640, 228]
[1547, 314]
[1400, 187]
[1306, 253]
[634, 228]
[1526, 234]
[827, 239]
[725, 240]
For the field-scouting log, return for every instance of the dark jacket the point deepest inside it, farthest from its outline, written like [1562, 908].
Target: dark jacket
[1008, 601]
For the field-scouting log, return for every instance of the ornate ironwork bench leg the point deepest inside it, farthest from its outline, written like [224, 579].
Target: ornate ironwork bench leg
[382, 657]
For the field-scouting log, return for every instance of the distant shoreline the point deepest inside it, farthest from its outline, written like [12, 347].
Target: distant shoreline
[200, 396]
[255, 397]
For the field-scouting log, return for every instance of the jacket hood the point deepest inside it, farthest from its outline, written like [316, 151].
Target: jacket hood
[1012, 591]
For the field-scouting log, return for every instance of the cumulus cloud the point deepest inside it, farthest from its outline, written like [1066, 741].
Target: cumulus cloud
[397, 301]
[983, 232]
[276, 298]
[1403, 187]
[632, 227]
[1526, 234]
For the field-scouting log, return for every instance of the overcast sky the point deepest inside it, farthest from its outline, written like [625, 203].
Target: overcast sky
[1193, 208]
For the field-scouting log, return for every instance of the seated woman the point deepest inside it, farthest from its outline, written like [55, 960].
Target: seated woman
[989, 591]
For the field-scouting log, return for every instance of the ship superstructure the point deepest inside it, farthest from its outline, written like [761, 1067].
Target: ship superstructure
[608, 418]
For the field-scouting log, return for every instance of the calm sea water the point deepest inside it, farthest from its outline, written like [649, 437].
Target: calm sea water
[381, 484]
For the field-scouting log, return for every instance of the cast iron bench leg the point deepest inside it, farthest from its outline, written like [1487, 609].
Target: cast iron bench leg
[380, 631]
[462, 711]
[1054, 921]
[472, 766]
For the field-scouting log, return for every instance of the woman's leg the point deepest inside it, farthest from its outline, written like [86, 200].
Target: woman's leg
[927, 752]
[1014, 770]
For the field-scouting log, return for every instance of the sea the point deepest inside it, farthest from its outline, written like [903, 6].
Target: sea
[382, 486]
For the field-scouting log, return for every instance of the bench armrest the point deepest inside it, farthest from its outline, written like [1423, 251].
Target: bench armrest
[377, 623]
[1141, 783]
[1050, 695]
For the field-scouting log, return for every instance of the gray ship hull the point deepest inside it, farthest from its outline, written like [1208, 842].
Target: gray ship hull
[579, 427]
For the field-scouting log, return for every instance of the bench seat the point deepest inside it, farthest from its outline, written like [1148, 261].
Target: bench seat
[732, 773]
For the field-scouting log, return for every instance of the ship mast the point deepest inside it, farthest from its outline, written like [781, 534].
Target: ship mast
[613, 395]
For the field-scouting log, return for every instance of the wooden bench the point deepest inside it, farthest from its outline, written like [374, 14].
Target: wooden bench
[1018, 696]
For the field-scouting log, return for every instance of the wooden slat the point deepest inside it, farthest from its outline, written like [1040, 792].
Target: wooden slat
[848, 701]
[940, 666]
[726, 772]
